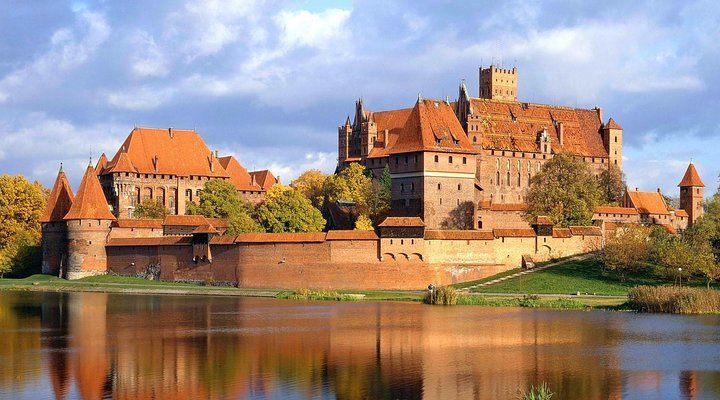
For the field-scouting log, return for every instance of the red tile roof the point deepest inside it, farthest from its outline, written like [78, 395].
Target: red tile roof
[458, 235]
[648, 202]
[166, 151]
[90, 202]
[60, 200]
[611, 124]
[508, 207]
[218, 222]
[205, 229]
[585, 230]
[402, 221]
[265, 179]
[615, 210]
[305, 237]
[185, 220]
[351, 235]
[239, 176]
[515, 127]
[522, 232]
[681, 213]
[669, 228]
[542, 220]
[138, 223]
[151, 241]
[102, 162]
[221, 239]
[394, 121]
[691, 177]
[561, 233]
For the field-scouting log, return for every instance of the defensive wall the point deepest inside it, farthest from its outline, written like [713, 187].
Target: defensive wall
[395, 259]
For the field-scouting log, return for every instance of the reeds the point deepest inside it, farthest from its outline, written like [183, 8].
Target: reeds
[674, 300]
[441, 295]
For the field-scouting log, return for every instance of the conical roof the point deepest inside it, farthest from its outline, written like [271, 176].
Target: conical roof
[102, 162]
[90, 202]
[691, 178]
[60, 200]
[611, 124]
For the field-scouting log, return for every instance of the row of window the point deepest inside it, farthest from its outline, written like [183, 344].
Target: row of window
[163, 176]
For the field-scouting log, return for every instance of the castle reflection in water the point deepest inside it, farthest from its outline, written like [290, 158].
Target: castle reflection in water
[97, 345]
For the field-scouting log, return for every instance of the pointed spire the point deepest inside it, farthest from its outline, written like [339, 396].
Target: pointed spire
[347, 121]
[611, 124]
[691, 178]
[90, 202]
[102, 162]
[60, 200]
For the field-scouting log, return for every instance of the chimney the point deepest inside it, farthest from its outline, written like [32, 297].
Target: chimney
[252, 180]
[212, 162]
[216, 154]
[156, 162]
[171, 133]
[659, 191]
[636, 189]
[599, 113]
[561, 132]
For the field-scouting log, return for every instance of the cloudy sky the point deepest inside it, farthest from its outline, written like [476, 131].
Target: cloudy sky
[270, 81]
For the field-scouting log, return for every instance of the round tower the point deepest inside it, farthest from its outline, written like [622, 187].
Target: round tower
[88, 226]
[54, 228]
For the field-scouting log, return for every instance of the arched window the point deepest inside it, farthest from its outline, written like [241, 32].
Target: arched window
[188, 194]
[508, 178]
[147, 194]
[497, 178]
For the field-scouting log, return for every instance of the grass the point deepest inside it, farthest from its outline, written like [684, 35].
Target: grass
[306, 294]
[583, 276]
[675, 300]
[528, 301]
[488, 279]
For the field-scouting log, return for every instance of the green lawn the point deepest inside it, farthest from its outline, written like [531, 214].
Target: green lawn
[583, 276]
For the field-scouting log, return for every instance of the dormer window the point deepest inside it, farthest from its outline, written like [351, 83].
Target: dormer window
[456, 142]
[438, 141]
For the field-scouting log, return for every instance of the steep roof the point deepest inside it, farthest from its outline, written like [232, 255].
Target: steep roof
[611, 124]
[432, 126]
[90, 202]
[60, 200]
[239, 176]
[515, 126]
[166, 151]
[264, 178]
[691, 177]
[393, 121]
[102, 162]
[648, 202]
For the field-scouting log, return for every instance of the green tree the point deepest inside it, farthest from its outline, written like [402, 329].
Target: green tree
[628, 251]
[310, 184]
[21, 256]
[219, 199]
[704, 239]
[286, 210]
[150, 209]
[350, 184]
[612, 185]
[243, 223]
[21, 205]
[565, 191]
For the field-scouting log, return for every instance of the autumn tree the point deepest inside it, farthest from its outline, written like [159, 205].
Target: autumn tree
[704, 238]
[355, 183]
[243, 223]
[310, 184]
[218, 199]
[565, 191]
[150, 209]
[628, 251]
[21, 205]
[612, 185]
[287, 210]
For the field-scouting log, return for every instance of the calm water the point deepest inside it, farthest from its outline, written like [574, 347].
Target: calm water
[92, 345]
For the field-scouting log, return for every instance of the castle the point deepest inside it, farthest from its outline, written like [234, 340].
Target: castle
[459, 176]
[467, 164]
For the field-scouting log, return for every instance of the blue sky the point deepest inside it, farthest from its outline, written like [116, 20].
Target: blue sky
[270, 81]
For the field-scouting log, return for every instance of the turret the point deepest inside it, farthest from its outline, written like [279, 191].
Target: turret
[612, 139]
[88, 226]
[498, 83]
[344, 132]
[692, 191]
[54, 228]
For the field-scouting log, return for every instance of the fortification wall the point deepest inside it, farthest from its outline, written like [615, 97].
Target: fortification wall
[54, 246]
[135, 232]
[460, 251]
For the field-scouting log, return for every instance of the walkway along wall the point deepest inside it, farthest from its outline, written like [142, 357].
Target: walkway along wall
[341, 259]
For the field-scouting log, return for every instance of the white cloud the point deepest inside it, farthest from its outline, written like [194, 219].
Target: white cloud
[67, 52]
[148, 59]
[319, 30]
[140, 98]
[287, 163]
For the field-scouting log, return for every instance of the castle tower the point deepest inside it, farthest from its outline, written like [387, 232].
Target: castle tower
[691, 194]
[612, 138]
[88, 225]
[344, 133]
[54, 228]
[498, 83]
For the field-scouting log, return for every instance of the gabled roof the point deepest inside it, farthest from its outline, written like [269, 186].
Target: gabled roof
[402, 221]
[60, 200]
[102, 162]
[611, 124]
[205, 229]
[615, 210]
[166, 151]
[239, 176]
[90, 202]
[264, 178]
[681, 213]
[515, 126]
[393, 121]
[561, 233]
[432, 126]
[691, 177]
[542, 220]
[648, 202]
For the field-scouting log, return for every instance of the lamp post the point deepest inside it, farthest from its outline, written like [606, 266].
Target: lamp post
[680, 275]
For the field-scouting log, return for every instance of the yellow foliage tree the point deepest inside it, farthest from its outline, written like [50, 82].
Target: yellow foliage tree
[310, 184]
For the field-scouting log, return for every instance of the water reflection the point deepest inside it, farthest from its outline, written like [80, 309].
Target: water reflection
[95, 345]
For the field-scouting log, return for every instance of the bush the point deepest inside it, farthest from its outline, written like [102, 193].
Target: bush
[306, 294]
[674, 300]
[444, 295]
[542, 392]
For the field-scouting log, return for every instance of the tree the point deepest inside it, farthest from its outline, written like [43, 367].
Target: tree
[565, 191]
[150, 209]
[287, 210]
[21, 255]
[350, 184]
[310, 184]
[363, 223]
[612, 184]
[243, 223]
[21, 205]
[703, 237]
[219, 199]
[628, 250]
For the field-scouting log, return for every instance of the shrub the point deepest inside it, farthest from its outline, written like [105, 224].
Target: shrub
[542, 392]
[674, 300]
[444, 295]
[306, 294]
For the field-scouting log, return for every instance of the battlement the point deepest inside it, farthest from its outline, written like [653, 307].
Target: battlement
[498, 83]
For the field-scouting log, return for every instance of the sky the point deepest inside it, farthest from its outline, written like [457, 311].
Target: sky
[270, 81]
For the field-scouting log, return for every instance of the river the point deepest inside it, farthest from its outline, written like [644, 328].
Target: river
[122, 346]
